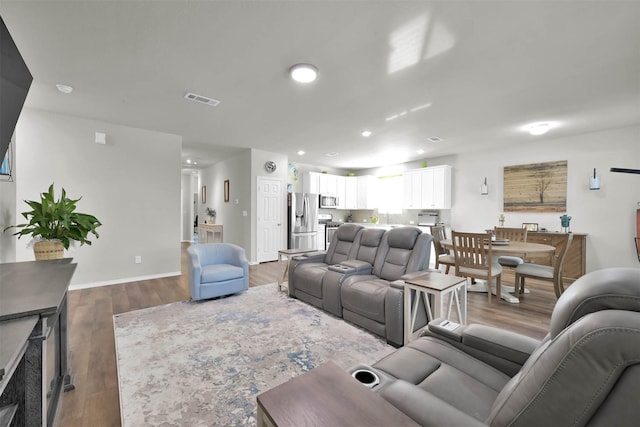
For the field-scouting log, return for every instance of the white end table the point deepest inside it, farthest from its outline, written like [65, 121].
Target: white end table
[438, 285]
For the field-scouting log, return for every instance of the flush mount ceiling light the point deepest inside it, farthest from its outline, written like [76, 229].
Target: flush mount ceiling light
[539, 128]
[64, 88]
[303, 73]
[366, 133]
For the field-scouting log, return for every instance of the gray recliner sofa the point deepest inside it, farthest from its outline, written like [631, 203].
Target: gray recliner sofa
[585, 372]
[375, 301]
[371, 264]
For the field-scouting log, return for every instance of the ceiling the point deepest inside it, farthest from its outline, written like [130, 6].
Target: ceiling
[470, 72]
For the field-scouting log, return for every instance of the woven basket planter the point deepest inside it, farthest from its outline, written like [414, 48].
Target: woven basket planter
[48, 250]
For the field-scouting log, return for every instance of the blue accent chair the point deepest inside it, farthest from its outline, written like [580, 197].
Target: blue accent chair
[217, 269]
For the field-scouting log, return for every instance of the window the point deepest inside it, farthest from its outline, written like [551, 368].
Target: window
[390, 194]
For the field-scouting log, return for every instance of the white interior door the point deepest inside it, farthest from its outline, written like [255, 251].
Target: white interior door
[270, 218]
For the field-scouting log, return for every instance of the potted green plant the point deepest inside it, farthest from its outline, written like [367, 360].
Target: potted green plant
[54, 224]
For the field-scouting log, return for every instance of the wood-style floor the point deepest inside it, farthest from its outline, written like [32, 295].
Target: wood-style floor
[95, 400]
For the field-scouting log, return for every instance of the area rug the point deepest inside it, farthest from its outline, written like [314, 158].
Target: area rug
[204, 363]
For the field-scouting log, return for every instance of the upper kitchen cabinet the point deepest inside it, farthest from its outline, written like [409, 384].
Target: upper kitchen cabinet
[311, 182]
[320, 183]
[428, 188]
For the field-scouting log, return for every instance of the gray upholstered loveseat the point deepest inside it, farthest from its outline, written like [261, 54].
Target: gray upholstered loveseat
[361, 276]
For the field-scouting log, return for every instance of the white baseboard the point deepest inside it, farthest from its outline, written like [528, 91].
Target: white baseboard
[124, 280]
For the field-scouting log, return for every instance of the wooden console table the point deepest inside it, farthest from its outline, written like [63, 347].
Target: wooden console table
[327, 396]
[205, 229]
[33, 333]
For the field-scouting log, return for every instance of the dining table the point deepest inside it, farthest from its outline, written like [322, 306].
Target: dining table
[523, 250]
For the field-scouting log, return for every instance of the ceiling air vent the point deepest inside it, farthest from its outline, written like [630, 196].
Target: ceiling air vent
[202, 99]
[435, 139]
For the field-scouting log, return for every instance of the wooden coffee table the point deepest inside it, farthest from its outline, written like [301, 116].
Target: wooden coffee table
[326, 396]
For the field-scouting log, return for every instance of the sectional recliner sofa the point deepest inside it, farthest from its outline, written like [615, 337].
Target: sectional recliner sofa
[361, 277]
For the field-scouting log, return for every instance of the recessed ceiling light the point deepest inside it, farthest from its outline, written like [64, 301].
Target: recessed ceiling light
[188, 161]
[64, 88]
[539, 128]
[303, 73]
[366, 133]
[301, 153]
[420, 151]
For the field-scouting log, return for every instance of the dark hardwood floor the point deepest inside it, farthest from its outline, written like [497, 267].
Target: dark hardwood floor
[95, 400]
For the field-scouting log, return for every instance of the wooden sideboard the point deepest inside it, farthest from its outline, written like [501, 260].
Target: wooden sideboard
[575, 263]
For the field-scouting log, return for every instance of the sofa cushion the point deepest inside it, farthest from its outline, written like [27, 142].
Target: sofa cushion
[365, 296]
[220, 272]
[448, 373]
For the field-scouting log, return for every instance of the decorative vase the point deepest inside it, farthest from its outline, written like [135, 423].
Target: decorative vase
[48, 249]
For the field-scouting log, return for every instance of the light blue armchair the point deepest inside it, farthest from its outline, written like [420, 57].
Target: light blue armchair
[217, 269]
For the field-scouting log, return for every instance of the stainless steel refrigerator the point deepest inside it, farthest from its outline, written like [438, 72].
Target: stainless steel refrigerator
[303, 220]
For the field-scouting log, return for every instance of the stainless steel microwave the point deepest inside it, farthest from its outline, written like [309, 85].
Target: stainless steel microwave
[328, 201]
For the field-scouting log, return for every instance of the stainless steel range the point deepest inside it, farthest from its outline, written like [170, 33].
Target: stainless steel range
[330, 227]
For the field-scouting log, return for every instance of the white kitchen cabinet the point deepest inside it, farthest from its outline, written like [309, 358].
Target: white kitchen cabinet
[311, 182]
[412, 189]
[427, 188]
[328, 184]
[342, 192]
[351, 192]
[436, 187]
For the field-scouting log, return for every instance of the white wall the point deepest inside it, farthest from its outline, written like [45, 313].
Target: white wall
[237, 170]
[131, 184]
[606, 215]
[242, 171]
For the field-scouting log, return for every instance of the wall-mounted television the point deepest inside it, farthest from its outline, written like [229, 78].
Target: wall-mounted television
[15, 80]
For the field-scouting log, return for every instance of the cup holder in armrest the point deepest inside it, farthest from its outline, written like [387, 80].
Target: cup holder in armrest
[339, 268]
[366, 377]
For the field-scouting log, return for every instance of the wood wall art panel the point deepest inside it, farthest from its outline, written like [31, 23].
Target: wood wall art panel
[536, 187]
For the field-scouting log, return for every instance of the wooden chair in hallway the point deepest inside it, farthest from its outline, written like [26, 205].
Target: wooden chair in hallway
[475, 261]
[442, 255]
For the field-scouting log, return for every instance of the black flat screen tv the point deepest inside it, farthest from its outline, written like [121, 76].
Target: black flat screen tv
[15, 80]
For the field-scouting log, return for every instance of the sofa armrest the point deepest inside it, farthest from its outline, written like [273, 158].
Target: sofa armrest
[310, 257]
[504, 350]
[425, 408]
[359, 267]
[499, 342]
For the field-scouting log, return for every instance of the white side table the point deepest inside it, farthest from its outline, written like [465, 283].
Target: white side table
[284, 255]
[438, 285]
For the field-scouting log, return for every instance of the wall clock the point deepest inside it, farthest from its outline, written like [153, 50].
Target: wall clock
[270, 166]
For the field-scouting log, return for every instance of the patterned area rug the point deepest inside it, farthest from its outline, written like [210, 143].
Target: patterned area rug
[204, 363]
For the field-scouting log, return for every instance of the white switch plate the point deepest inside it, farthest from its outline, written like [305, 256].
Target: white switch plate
[138, 259]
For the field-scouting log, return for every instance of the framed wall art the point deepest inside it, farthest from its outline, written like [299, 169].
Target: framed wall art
[203, 194]
[226, 190]
[536, 187]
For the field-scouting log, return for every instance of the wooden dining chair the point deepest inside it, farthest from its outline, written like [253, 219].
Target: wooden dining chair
[550, 273]
[513, 235]
[442, 255]
[472, 252]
